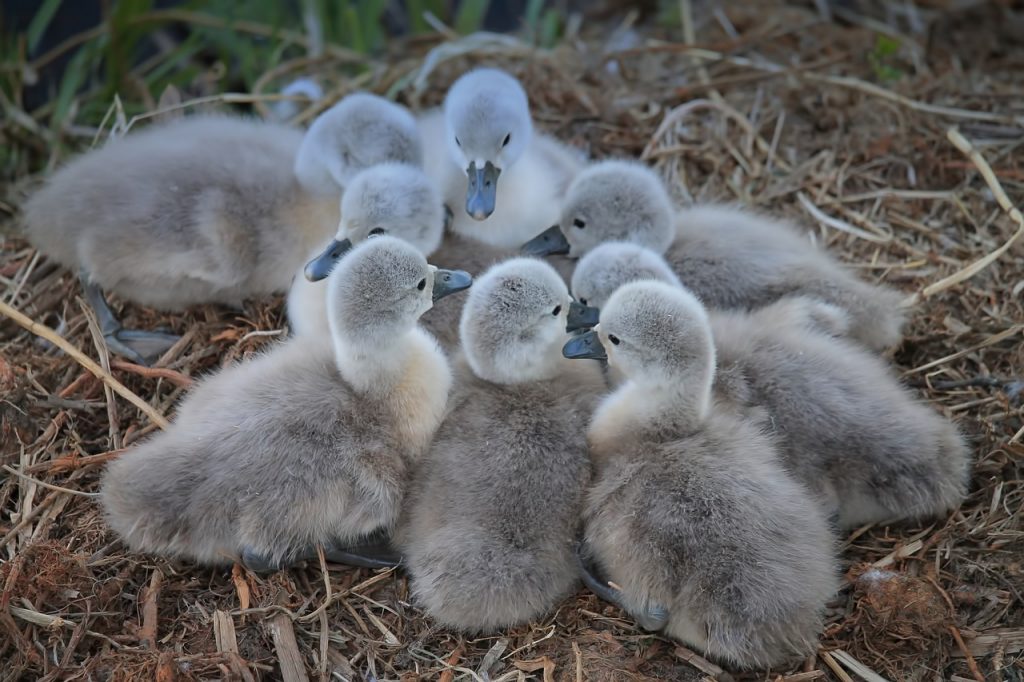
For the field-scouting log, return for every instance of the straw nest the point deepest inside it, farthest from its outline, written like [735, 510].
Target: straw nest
[911, 182]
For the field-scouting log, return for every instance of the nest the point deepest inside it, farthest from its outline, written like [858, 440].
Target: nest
[777, 108]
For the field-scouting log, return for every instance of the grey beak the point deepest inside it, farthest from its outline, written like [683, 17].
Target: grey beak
[585, 346]
[581, 317]
[550, 241]
[450, 282]
[482, 191]
[321, 266]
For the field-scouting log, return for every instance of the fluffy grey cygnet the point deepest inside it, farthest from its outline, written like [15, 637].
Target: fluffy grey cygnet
[310, 444]
[692, 514]
[502, 180]
[845, 426]
[730, 258]
[490, 526]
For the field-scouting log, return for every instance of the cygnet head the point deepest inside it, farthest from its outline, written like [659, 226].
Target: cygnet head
[360, 131]
[378, 291]
[487, 121]
[610, 201]
[513, 323]
[659, 336]
[609, 266]
[390, 198]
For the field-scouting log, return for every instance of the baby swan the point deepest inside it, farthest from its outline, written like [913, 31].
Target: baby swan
[389, 198]
[489, 527]
[845, 427]
[485, 132]
[310, 444]
[358, 132]
[729, 258]
[204, 209]
[692, 515]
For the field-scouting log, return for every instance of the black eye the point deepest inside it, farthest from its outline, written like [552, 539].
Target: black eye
[557, 310]
[614, 339]
[377, 231]
[508, 138]
[422, 285]
[582, 301]
[457, 141]
[579, 223]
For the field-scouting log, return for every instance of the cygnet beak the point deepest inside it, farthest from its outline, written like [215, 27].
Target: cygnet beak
[482, 191]
[321, 266]
[652, 619]
[550, 241]
[450, 282]
[581, 317]
[584, 346]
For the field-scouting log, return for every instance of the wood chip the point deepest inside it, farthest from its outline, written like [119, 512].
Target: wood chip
[288, 656]
[980, 644]
[702, 664]
[148, 633]
[224, 632]
[543, 663]
[858, 668]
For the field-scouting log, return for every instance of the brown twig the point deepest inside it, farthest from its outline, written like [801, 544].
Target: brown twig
[176, 378]
[85, 361]
[148, 633]
[971, 663]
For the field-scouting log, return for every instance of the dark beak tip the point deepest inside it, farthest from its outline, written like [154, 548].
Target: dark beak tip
[583, 347]
[320, 267]
[549, 242]
[447, 282]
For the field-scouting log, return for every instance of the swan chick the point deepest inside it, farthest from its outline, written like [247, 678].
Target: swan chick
[487, 116]
[845, 427]
[310, 444]
[390, 198]
[358, 132]
[729, 258]
[490, 525]
[502, 180]
[691, 514]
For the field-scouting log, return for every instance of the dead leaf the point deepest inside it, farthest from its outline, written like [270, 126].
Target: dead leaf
[544, 663]
[241, 586]
[166, 670]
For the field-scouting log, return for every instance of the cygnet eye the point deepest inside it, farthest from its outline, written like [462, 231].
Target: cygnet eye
[457, 141]
[579, 223]
[422, 285]
[508, 138]
[557, 310]
[614, 339]
[377, 231]
[582, 301]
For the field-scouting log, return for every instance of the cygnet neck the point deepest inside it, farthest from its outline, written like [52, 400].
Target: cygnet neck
[374, 363]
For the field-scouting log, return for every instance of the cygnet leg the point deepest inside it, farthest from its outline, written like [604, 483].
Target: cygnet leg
[138, 346]
[260, 563]
[449, 216]
[370, 551]
[653, 618]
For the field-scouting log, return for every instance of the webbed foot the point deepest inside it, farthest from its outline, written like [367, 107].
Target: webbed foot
[258, 562]
[141, 347]
[652, 618]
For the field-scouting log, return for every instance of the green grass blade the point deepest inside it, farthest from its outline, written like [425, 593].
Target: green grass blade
[470, 16]
[414, 11]
[37, 27]
[550, 28]
[531, 18]
[74, 76]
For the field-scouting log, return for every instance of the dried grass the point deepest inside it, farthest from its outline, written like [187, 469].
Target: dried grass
[796, 124]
